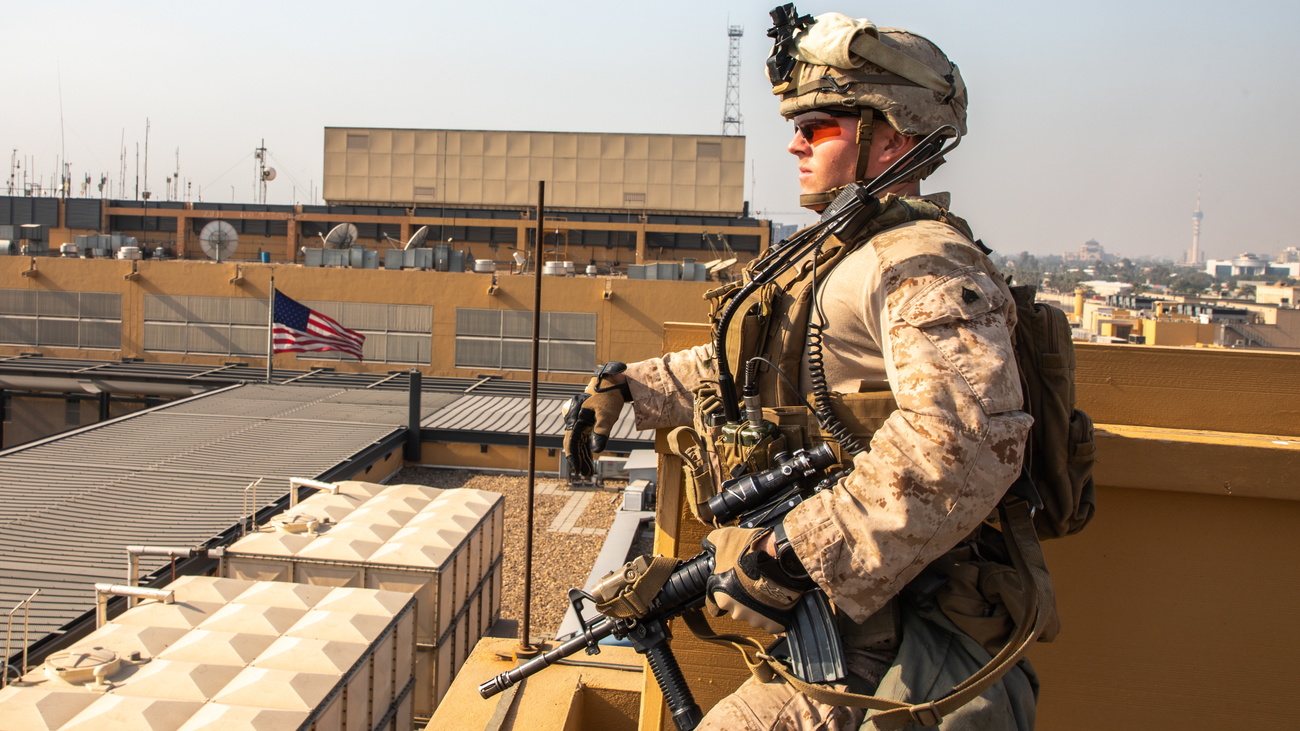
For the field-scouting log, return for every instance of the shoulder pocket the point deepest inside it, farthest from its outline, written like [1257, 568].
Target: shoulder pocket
[962, 295]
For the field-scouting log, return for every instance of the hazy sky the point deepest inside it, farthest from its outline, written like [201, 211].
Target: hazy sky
[1087, 120]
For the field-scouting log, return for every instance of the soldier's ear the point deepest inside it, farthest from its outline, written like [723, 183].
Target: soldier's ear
[891, 143]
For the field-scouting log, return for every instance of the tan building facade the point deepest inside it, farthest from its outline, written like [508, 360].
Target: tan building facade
[441, 323]
[639, 173]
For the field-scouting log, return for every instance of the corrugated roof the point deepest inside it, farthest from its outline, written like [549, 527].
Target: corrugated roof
[174, 475]
[208, 376]
[510, 415]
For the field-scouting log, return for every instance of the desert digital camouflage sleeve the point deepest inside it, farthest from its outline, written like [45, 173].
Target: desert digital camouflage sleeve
[939, 464]
[661, 387]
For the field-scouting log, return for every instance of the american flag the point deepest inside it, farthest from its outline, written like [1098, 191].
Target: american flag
[298, 329]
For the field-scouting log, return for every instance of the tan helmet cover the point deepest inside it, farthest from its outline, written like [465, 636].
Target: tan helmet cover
[845, 62]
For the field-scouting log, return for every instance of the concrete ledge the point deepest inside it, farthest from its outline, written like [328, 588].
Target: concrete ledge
[600, 693]
[1203, 462]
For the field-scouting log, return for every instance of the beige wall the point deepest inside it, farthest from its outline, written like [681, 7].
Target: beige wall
[628, 321]
[1178, 332]
[605, 171]
[1269, 294]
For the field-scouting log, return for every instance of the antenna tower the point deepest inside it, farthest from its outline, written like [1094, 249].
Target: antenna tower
[731, 119]
[1195, 256]
[264, 173]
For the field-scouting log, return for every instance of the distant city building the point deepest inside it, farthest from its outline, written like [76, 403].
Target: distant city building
[586, 171]
[1289, 254]
[1135, 302]
[1251, 265]
[1106, 289]
[781, 231]
[1091, 251]
[1266, 294]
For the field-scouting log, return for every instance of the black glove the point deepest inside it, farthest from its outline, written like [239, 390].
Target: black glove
[589, 417]
[750, 585]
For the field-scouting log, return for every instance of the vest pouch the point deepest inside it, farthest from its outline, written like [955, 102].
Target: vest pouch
[862, 414]
[983, 598]
[737, 453]
[697, 478]
[797, 424]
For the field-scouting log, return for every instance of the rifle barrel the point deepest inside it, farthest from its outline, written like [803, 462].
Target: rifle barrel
[599, 631]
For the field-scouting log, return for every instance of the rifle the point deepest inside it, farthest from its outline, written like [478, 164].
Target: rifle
[760, 499]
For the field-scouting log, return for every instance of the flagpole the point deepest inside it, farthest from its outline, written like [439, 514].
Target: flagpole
[526, 640]
[270, 329]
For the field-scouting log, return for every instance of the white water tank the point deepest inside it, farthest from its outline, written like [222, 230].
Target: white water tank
[591, 270]
[128, 252]
[555, 268]
[485, 266]
[568, 268]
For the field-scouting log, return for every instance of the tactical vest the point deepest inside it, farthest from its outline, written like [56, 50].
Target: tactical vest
[774, 326]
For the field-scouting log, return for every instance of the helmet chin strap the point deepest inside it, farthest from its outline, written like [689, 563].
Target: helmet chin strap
[866, 128]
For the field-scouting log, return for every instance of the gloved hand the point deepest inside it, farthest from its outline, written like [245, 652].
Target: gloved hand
[744, 582]
[589, 417]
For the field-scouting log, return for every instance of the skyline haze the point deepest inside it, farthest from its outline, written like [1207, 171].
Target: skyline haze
[1085, 122]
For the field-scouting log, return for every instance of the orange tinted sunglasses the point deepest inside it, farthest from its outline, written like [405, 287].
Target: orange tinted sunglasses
[818, 129]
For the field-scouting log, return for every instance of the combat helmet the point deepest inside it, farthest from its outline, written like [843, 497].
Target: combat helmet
[841, 64]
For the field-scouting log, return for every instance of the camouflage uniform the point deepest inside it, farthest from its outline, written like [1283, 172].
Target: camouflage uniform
[917, 309]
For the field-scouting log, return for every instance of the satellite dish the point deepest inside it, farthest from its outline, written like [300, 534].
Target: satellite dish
[341, 236]
[218, 240]
[721, 266]
[418, 238]
[268, 174]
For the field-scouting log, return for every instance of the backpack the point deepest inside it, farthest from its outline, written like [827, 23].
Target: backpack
[1057, 474]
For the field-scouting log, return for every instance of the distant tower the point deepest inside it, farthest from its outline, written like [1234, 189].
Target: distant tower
[731, 120]
[1195, 256]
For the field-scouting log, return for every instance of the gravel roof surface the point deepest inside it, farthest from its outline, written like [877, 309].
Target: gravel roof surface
[562, 559]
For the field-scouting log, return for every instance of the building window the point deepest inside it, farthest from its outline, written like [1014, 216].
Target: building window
[72, 412]
[50, 319]
[236, 326]
[502, 339]
[708, 150]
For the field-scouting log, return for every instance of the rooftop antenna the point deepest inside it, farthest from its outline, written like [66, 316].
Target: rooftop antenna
[146, 159]
[341, 236]
[731, 119]
[219, 240]
[264, 173]
[65, 179]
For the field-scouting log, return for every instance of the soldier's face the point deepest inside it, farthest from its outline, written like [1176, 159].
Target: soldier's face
[827, 150]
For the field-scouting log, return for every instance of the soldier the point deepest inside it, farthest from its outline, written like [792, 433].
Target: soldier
[905, 312]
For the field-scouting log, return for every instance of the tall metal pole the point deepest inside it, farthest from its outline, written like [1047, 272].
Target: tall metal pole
[270, 328]
[526, 641]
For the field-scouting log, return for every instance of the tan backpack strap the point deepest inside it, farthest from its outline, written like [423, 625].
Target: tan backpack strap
[1027, 556]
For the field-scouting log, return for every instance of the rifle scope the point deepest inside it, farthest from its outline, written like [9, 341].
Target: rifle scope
[750, 491]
